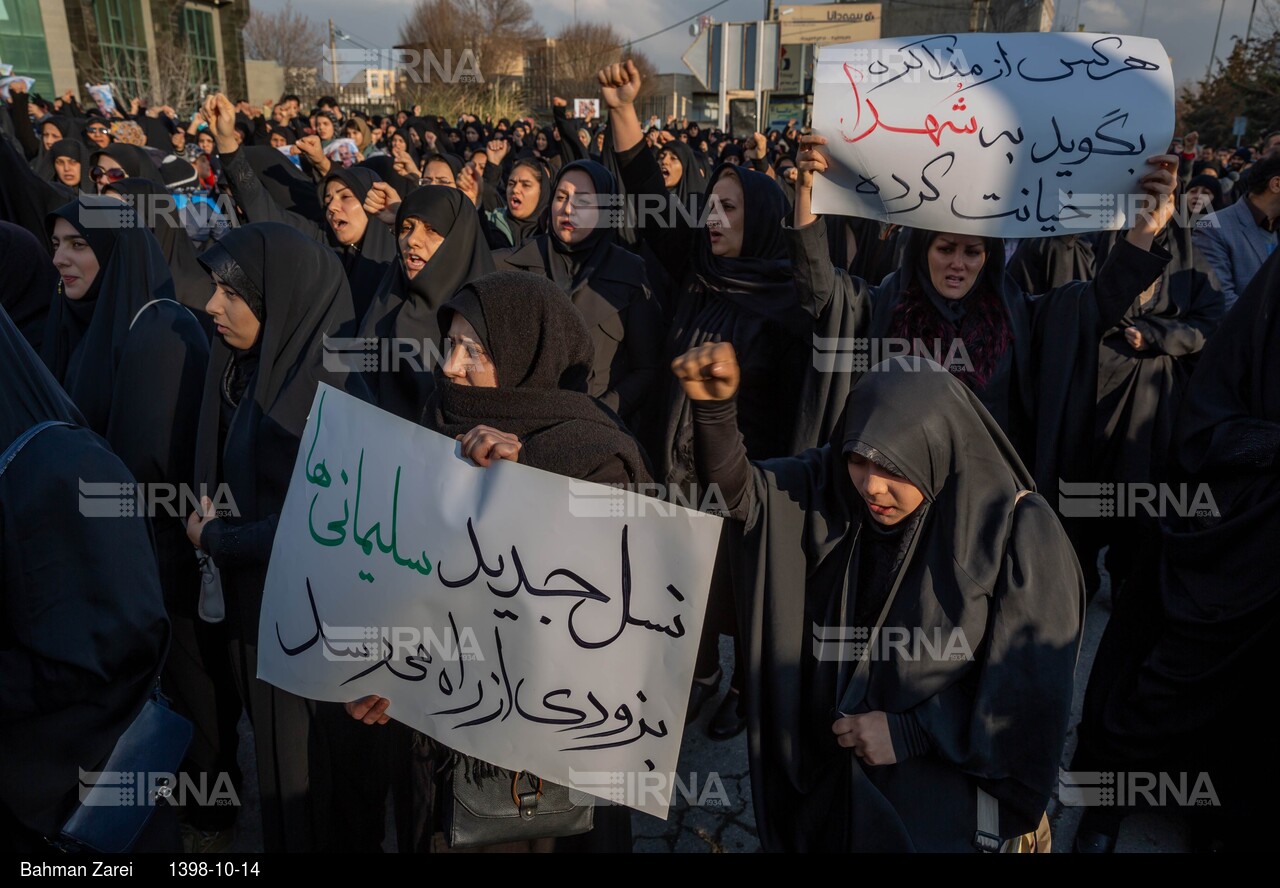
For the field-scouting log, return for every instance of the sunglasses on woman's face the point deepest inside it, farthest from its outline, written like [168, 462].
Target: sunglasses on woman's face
[115, 174]
[96, 131]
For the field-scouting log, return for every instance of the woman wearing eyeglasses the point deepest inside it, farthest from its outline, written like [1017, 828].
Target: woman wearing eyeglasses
[98, 134]
[117, 162]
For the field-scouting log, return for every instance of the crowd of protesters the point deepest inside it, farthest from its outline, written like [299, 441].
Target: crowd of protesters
[185, 346]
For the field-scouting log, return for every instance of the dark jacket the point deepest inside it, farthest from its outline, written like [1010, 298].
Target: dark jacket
[624, 319]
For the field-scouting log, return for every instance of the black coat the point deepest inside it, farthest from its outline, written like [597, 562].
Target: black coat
[749, 301]
[984, 572]
[84, 630]
[624, 319]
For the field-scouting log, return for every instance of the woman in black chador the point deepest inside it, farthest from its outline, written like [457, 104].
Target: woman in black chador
[514, 386]
[733, 283]
[133, 360]
[278, 295]
[1187, 654]
[913, 614]
[1031, 358]
[84, 628]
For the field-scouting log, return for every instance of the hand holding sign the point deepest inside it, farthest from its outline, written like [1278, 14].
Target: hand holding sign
[485, 446]
[372, 710]
[1156, 211]
[1007, 135]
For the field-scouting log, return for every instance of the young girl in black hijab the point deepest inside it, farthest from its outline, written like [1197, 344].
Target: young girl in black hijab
[915, 521]
[69, 161]
[528, 193]
[606, 283]
[683, 173]
[84, 631]
[279, 294]
[440, 249]
[514, 386]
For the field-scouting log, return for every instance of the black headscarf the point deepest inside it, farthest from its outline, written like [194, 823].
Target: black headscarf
[571, 264]
[366, 262]
[77, 151]
[452, 161]
[64, 124]
[192, 285]
[84, 338]
[305, 298]
[693, 181]
[29, 281]
[43, 162]
[288, 186]
[1214, 185]
[1006, 580]
[759, 279]
[541, 350]
[552, 152]
[1042, 263]
[407, 308]
[133, 160]
[404, 132]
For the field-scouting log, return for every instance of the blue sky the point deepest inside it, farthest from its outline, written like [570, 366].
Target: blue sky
[1184, 26]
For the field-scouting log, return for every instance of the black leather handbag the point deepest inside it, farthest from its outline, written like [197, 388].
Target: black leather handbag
[509, 806]
[113, 811]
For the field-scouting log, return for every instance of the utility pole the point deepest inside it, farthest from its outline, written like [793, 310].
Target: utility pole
[1142, 23]
[1249, 31]
[1213, 54]
[333, 54]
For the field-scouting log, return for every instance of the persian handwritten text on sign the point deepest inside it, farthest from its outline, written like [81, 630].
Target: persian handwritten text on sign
[1009, 135]
[537, 623]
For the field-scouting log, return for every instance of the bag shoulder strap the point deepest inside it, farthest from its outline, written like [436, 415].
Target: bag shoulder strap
[158, 302]
[16, 446]
[987, 837]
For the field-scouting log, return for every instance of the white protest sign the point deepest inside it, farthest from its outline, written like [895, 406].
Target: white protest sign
[586, 108]
[1009, 135]
[528, 620]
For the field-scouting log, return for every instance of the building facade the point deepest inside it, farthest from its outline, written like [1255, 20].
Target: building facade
[148, 48]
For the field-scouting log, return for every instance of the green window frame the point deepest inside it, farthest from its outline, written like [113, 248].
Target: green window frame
[122, 44]
[22, 42]
[198, 31]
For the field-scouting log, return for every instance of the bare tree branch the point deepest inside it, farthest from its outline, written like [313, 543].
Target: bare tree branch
[291, 39]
